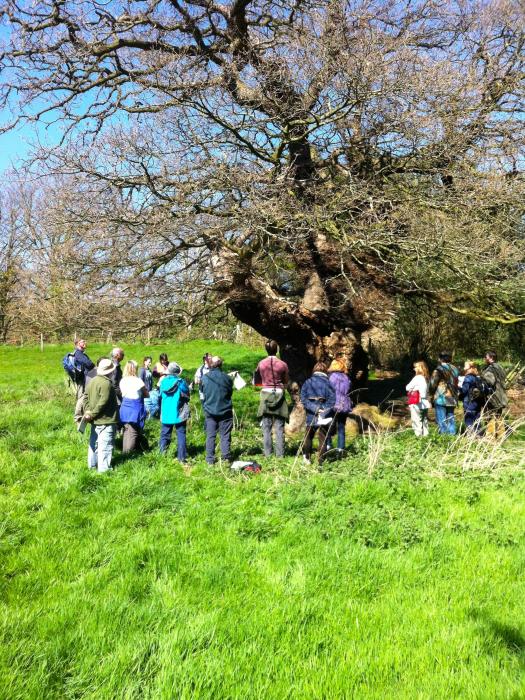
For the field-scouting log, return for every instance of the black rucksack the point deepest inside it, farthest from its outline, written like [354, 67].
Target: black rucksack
[479, 391]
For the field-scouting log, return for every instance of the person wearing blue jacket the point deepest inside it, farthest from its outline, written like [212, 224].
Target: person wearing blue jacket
[472, 405]
[318, 398]
[83, 365]
[217, 389]
[174, 410]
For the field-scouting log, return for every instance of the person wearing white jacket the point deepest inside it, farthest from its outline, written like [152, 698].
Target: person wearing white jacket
[419, 409]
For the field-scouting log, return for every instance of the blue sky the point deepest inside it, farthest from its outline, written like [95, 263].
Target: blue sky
[15, 146]
[12, 147]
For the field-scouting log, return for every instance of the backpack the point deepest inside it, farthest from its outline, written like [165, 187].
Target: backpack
[250, 466]
[71, 368]
[152, 403]
[479, 391]
[447, 388]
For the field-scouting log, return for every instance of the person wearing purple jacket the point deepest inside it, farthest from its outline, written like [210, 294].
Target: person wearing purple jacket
[341, 384]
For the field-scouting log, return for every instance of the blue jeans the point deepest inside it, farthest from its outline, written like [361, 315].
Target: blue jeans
[165, 439]
[100, 450]
[445, 419]
[338, 426]
[224, 426]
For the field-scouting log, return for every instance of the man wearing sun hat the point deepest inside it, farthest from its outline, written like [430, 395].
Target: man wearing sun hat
[102, 412]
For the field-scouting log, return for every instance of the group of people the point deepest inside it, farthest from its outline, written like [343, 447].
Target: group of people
[111, 397]
[482, 391]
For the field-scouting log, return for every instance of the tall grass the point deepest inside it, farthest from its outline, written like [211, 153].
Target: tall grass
[396, 572]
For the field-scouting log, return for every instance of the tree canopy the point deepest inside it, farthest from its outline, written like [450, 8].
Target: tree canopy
[306, 164]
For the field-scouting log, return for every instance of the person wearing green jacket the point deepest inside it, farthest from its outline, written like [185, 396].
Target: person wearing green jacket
[498, 402]
[102, 412]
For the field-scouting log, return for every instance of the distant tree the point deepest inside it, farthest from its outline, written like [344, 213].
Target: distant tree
[306, 163]
[12, 248]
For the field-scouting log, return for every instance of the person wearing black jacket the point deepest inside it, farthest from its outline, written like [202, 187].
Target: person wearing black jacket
[83, 365]
[217, 388]
[117, 355]
[498, 402]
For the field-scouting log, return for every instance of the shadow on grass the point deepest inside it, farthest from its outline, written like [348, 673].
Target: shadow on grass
[508, 635]
[119, 459]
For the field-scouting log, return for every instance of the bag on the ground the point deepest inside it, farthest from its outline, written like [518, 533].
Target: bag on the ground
[414, 397]
[249, 466]
[70, 367]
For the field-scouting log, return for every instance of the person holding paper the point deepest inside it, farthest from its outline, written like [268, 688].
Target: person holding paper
[318, 398]
[217, 388]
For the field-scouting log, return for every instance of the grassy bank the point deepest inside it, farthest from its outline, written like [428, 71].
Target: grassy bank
[398, 572]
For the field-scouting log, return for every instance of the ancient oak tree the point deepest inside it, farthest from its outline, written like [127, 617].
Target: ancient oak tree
[305, 164]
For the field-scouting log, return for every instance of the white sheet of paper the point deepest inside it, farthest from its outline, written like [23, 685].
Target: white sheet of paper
[238, 382]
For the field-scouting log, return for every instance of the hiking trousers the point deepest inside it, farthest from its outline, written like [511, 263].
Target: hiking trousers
[223, 426]
[495, 424]
[101, 443]
[419, 417]
[473, 422]
[445, 419]
[81, 398]
[322, 438]
[130, 438]
[166, 431]
[339, 427]
[268, 425]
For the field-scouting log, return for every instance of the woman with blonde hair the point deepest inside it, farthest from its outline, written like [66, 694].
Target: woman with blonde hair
[343, 406]
[418, 402]
[132, 410]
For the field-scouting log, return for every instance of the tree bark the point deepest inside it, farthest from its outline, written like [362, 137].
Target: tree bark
[304, 337]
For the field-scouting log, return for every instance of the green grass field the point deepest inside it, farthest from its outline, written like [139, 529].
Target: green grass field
[398, 572]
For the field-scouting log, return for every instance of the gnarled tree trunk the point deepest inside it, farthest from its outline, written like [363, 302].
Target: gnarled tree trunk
[307, 332]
